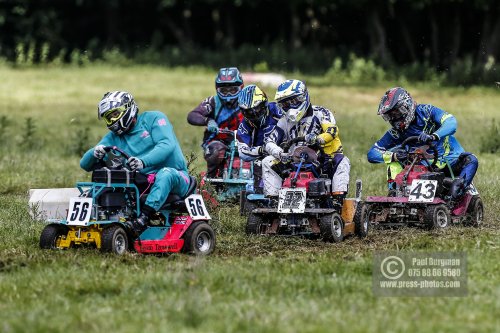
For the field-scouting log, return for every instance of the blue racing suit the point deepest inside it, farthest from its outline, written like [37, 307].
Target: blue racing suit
[251, 139]
[152, 140]
[431, 120]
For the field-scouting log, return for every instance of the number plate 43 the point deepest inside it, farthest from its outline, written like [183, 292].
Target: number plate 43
[196, 207]
[422, 190]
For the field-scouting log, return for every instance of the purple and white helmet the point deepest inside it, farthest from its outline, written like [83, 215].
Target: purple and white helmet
[119, 110]
[398, 108]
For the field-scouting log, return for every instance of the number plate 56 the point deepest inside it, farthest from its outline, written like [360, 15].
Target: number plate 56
[79, 211]
[196, 207]
[422, 190]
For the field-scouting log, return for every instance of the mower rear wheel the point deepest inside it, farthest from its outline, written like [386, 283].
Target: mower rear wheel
[199, 239]
[332, 227]
[254, 223]
[437, 217]
[362, 220]
[114, 239]
[51, 234]
[475, 211]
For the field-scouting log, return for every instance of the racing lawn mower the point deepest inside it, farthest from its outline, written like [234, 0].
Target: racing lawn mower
[234, 177]
[99, 214]
[423, 195]
[305, 205]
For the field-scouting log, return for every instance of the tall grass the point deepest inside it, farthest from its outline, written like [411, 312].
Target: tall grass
[250, 284]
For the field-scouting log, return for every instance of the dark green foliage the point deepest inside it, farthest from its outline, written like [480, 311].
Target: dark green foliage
[29, 140]
[79, 144]
[453, 41]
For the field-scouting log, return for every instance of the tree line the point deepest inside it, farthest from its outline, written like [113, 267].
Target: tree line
[288, 35]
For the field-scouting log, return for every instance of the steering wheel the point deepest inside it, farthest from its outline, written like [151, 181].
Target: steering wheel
[421, 151]
[117, 158]
[287, 144]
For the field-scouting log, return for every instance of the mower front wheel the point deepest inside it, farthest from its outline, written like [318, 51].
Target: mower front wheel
[199, 239]
[332, 227]
[254, 223]
[114, 239]
[362, 220]
[437, 217]
[51, 234]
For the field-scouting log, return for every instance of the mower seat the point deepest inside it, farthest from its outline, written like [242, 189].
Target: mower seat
[175, 201]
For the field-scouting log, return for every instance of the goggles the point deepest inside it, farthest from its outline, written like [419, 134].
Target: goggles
[114, 115]
[392, 116]
[291, 103]
[228, 90]
[254, 113]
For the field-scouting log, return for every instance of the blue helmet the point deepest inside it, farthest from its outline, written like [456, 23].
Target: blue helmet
[119, 110]
[253, 104]
[228, 84]
[292, 97]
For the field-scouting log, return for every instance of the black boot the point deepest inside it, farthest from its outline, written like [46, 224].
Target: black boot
[140, 224]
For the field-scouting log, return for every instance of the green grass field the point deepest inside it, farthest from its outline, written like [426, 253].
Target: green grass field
[250, 284]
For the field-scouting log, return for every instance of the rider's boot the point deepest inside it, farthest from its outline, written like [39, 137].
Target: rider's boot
[140, 224]
[457, 188]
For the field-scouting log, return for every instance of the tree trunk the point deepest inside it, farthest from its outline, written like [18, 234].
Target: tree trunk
[378, 41]
[434, 39]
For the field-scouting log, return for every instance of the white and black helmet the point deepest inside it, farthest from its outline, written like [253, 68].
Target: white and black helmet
[119, 110]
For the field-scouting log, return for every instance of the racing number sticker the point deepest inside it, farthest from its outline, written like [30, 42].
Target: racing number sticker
[292, 200]
[422, 190]
[196, 207]
[79, 211]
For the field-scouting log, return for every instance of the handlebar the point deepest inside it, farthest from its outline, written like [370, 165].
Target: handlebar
[432, 146]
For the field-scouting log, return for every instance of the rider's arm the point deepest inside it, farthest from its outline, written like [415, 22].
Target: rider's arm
[88, 160]
[202, 113]
[245, 149]
[271, 142]
[447, 123]
[379, 152]
[163, 135]
[328, 125]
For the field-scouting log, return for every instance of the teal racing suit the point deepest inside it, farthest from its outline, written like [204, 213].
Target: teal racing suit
[152, 140]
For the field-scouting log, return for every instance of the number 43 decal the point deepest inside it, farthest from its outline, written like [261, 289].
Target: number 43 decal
[196, 207]
[422, 190]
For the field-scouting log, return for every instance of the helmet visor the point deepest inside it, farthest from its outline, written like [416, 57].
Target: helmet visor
[255, 113]
[111, 116]
[393, 115]
[291, 103]
[228, 91]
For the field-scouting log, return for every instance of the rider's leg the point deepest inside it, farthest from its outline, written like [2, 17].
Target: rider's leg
[272, 180]
[168, 180]
[257, 177]
[214, 155]
[340, 180]
[464, 168]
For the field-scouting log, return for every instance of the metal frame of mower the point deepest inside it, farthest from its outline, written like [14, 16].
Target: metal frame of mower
[236, 176]
[98, 216]
[422, 197]
[317, 215]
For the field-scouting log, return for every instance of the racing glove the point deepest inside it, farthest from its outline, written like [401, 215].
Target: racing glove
[212, 126]
[285, 158]
[425, 138]
[99, 152]
[135, 163]
[400, 155]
